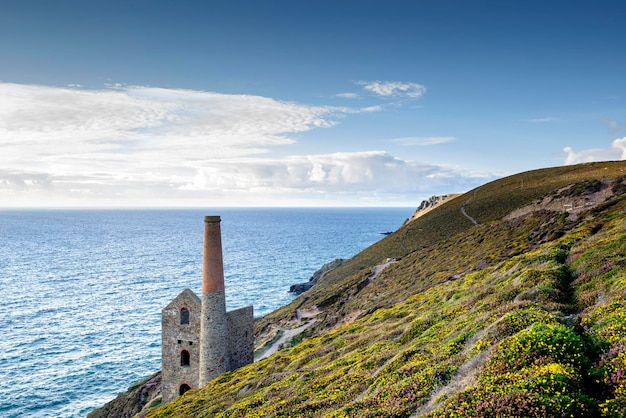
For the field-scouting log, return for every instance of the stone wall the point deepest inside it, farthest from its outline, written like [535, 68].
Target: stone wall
[177, 337]
[240, 337]
[228, 341]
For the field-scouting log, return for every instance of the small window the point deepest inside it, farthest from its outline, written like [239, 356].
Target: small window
[184, 316]
[184, 358]
[183, 388]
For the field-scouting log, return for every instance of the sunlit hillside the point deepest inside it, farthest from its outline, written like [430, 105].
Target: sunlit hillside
[521, 314]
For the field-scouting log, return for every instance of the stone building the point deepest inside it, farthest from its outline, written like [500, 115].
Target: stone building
[200, 340]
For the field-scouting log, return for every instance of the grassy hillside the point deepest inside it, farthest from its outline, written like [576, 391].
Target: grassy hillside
[523, 316]
[487, 203]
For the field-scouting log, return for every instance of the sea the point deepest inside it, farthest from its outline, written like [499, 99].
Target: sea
[81, 291]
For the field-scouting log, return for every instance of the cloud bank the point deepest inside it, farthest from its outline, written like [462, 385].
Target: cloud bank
[134, 145]
[617, 151]
[368, 171]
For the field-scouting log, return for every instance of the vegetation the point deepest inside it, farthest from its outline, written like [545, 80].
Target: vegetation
[519, 316]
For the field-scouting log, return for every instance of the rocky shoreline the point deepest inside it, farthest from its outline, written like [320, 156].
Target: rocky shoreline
[303, 287]
[140, 397]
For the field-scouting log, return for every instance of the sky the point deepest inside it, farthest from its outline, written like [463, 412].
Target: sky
[190, 103]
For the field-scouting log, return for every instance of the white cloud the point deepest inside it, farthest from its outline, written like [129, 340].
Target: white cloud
[347, 95]
[133, 145]
[69, 130]
[617, 151]
[367, 178]
[368, 172]
[546, 119]
[394, 88]
[423, 140]
[367, 109]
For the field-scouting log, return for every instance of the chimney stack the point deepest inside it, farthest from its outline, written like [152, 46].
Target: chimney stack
[214, 352]
[225, 340]
[212, 264]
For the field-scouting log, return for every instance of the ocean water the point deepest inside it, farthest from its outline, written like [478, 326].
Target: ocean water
[81, 291]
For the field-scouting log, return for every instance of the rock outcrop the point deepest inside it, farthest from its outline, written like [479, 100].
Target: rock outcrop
[139, 397]
[429, 204]
[303, 287]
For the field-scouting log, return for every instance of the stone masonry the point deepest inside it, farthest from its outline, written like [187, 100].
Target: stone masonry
[200, 340]
[176, 337]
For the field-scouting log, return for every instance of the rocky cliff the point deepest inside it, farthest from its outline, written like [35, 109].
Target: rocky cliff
[431, 203]
[141, 396]
[303, 287]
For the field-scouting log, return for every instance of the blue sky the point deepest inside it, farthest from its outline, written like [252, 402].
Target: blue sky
[293, 103]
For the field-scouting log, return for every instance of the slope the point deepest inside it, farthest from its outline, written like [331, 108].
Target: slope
[521, 315]
[487, 203]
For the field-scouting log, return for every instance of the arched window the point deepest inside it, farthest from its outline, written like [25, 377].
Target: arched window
[184, 358]
[184, 316]
[183, 388]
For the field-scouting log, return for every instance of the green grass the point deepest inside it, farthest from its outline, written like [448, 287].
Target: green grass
[512, 318]
[487, 203]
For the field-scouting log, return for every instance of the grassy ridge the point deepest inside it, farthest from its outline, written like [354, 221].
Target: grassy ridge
[487, 203]
[513, 318]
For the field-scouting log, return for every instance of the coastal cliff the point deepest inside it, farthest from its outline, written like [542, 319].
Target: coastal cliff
[519, 313]
[431, 203]
[142, 395]
[303, 287]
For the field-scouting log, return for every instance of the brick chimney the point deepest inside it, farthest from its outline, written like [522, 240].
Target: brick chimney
[212, 264]
[214, 351]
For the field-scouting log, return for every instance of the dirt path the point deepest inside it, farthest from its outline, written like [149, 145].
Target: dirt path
[290, 333]
[474, 221]
[379, 268]
[463, 378]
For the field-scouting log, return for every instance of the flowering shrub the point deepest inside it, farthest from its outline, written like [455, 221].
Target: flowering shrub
[537, 372]
[517, 320]
[457, 328]
[607, 325]
[539, 344]
[612, 367]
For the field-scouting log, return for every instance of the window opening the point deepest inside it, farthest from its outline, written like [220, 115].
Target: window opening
[183, 388]
[184, 358]
[184, 316]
